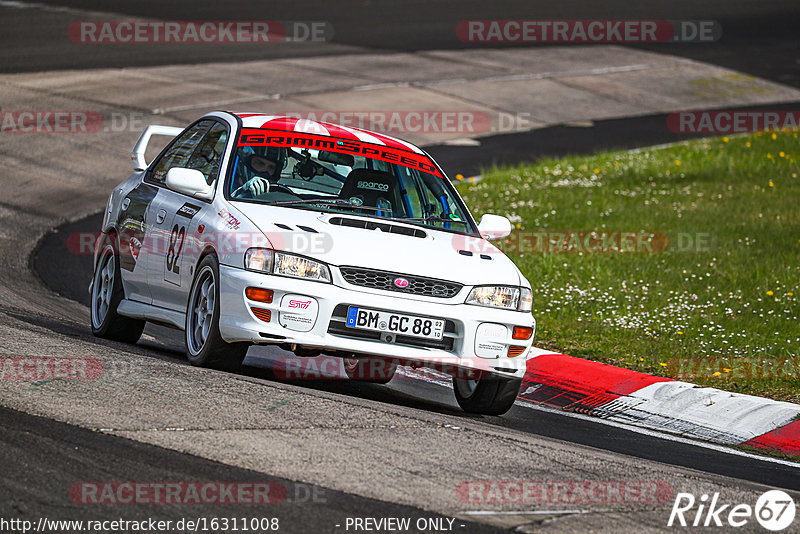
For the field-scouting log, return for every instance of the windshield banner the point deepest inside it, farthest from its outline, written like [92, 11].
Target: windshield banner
[262, 137]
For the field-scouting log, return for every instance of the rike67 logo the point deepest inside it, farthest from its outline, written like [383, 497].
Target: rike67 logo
[774, 510]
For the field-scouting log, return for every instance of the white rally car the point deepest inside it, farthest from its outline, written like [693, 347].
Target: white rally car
[323, 239]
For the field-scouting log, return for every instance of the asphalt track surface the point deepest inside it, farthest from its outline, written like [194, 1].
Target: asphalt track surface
[759, 38]
[48, 457]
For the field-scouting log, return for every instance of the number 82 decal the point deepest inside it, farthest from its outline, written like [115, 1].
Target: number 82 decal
[176, 239]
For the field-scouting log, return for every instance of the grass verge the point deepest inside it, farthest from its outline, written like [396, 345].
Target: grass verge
[681, 261]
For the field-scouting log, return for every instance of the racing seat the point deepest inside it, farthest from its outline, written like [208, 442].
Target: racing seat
[374, 188]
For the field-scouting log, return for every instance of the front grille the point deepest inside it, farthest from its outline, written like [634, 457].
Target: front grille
[384, 280]
[337, 327]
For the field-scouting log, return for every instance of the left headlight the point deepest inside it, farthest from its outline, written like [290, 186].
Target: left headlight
[284, 264]
[506, 297]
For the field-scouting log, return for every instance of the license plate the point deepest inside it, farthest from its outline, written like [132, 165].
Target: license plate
[396, 323]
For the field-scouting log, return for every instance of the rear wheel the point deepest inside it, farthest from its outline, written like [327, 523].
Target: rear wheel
[486, 395]
[107, 293]
[373, 370]
[204, 344]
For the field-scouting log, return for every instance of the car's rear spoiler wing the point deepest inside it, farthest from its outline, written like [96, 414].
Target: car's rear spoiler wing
[137, 156]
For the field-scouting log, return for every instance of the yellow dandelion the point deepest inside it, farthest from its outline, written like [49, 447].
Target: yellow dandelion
[662, 364]
[519, 225]
[727, 370]
[596, 170]
[471, 178]
[782, 154]
[724, 139]
[459, 177]
[680, 333]
[717, 374]
[774, 136]
[769, 156]
[641, 359]
[770, 293]
[789, 294]
[747, 144]
[771, 183]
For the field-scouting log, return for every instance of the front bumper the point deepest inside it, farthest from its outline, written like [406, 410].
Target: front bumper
[320, 324]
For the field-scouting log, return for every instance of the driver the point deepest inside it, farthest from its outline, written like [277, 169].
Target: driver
[258, 173]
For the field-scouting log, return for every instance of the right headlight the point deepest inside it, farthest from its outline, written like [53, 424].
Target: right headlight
[300, 267]
[284, 264]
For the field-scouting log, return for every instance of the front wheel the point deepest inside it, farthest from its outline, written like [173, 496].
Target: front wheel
[486, 395]
[204, 344]
[107, 293]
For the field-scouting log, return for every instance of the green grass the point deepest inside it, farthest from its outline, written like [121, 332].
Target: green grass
[728, 305]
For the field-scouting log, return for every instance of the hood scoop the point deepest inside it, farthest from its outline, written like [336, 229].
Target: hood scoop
[373, 225]
[300, 226]
[469, 253]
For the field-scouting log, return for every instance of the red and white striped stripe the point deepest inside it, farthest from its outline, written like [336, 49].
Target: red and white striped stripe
[294, 124]
[655, 403]
[662, 404]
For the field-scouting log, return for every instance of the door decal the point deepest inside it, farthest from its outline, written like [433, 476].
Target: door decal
[132, 225]
[177, 237]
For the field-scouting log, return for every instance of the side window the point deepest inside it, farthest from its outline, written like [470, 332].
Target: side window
[180, 152]
[207, 157]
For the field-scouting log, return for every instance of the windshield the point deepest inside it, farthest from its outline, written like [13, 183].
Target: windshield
[283, 170]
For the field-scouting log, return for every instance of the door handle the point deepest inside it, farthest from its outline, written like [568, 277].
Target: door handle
[125, 203]
[160, 216]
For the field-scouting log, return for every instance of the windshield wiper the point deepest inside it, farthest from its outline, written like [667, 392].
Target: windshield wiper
[329, 201]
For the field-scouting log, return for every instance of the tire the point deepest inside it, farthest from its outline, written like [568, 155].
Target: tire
[107, 292]
[370, 370]
[204, 344]
[488, 395]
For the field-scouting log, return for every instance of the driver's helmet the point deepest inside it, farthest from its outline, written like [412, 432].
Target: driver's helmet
[274, 154]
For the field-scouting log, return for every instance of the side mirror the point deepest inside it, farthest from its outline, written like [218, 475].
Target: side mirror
[189, 182]
[494, 227]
